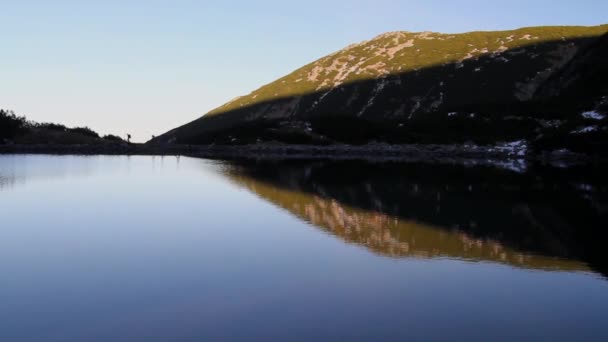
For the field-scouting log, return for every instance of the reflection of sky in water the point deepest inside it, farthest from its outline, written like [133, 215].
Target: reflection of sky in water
[19, 169]
[144, 248]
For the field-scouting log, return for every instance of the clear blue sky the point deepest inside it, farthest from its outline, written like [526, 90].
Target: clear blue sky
[143, 67]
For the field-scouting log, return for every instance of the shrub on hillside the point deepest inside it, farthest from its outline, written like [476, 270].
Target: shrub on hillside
[84, 131]
[11, 124]
[113, 138]
[50, 126]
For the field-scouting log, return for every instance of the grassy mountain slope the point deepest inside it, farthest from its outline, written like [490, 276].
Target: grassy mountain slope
[405, 87]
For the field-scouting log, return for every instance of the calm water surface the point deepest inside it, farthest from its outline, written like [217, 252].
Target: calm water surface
[183, 249]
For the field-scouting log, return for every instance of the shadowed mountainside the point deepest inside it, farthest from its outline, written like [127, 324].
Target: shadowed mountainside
[401, 87]
[479, 214]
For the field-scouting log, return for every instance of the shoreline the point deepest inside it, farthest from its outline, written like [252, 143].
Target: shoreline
[510, 153]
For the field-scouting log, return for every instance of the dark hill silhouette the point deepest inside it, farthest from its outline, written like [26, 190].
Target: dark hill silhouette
[16, 129]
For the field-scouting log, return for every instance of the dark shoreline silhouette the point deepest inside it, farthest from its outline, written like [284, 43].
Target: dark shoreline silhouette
[434, 153]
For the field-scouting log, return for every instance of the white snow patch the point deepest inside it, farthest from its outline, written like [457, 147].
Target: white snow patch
[438, 102]
[587, 129]
[593, 115]
[415, 108]
[518, 148]
[515, 165]
[585, 187]
[316, 103]
[381, 84]
[550, 123]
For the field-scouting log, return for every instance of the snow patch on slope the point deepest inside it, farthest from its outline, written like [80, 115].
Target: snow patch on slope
[586, 129]
[514, 148]
[593, 115]
[379, 87]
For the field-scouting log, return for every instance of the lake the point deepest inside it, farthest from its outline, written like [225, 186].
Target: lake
[144, 248]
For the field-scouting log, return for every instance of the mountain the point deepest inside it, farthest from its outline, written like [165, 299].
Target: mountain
[546, 85]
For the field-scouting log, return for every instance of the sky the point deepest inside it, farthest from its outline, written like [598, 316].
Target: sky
[144, 67]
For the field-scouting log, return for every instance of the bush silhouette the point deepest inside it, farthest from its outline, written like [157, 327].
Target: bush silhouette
[11, 125]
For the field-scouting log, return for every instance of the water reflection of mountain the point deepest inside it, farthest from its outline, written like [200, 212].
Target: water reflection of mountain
[477, 214]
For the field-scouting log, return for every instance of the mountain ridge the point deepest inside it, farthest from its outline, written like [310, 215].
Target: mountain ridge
[401, 78]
